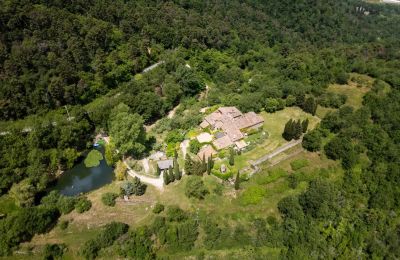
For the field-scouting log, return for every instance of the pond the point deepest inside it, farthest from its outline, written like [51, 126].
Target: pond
[81, 179]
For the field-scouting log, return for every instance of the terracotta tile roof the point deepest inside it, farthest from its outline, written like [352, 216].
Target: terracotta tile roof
[222, 142]
[207, 150]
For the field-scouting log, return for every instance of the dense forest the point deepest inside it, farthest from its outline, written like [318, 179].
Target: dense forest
[71, 69]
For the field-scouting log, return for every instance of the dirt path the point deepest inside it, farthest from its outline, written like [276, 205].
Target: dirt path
[156, 182]
[170, 115]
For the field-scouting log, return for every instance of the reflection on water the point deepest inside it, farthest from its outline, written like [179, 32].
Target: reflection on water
[80, 179]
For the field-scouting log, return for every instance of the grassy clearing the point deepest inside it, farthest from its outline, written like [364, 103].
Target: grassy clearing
[7, 205]
[355, 90]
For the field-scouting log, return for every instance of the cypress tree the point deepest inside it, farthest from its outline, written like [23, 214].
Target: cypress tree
[171, 175]
[304, 125]
[175, 154]
[237, 181]
[310, 106]
[231, 157]
[297, 129]
[300, 100]
[188, 165]
[177, 172]
[203, 163]
[166, 177]
[209, 164]
[288, 132]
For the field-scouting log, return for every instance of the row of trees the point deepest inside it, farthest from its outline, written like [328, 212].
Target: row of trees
[294, 129]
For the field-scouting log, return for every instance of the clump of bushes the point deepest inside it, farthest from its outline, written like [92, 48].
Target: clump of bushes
[54, 251]
[83, 204]
[298, 164]
[22, 225]
[195, 188]
[108, 199]
[106, 238]
[133, 188]
[64, 204]
[158, 208]
[64, 224]
[253, 195]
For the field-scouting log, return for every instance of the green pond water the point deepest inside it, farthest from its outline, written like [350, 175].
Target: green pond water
[81, 179]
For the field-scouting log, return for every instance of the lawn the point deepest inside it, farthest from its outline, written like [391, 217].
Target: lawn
[273, 125]
[355, 90]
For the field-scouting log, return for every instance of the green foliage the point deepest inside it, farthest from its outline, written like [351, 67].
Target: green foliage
[54, 251]
[64, 224]
[237, 181]
[108, 199]
[137, 245]
[253, 195]
[332, 100]
[292, 130]
[127, 132]
[310, 105]
[110, 154]
[104, 239]
[270, 176]
[176, 214]
[312, 140]
[293, 181]
[23, 193]
[193, 166]
[63, 203]
[22, 225]
[177, 172]
[195, 188]
[133, 188]
[158, 208]
[194, 146]
[93, 159]
[83, 204]
[231, 157]
[298, 164]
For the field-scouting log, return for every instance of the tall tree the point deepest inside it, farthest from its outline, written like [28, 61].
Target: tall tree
[128, 133]
[177, 172]
[231, 157]
[237, 181]
[171, 175]
[310, 105]
[304, 125]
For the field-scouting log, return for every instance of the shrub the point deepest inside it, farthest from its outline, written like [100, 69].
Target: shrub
[298, 164]
[195, 188]
[175, 214]
[82, 205]
[108, 199]
[158, 208]
[293, 181]
[106, 238]
[252, 195]
[64, 224]
[272, 175]
[54, 251]
[64, 204]
[194, 146]
[312, 141]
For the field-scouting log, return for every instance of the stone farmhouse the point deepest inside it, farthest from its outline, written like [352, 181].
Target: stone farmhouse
[230, 124]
